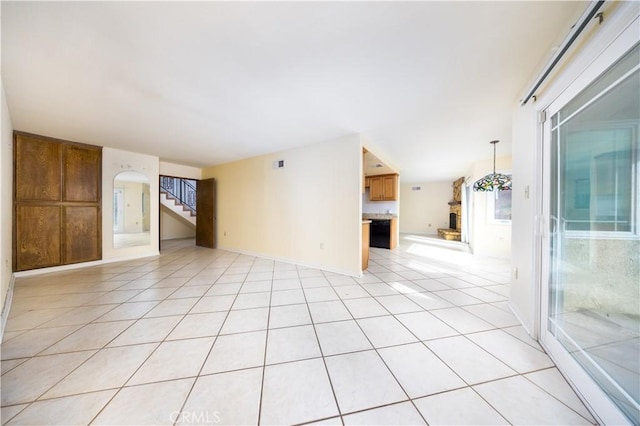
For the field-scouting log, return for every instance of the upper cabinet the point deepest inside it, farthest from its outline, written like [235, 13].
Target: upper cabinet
[383, 188]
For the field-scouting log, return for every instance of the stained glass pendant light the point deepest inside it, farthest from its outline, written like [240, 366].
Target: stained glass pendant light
[494, 181]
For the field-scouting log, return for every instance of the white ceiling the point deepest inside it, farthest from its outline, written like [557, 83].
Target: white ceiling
[203, 83]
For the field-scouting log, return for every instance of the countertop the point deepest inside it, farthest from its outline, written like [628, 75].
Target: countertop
[379, 216]
[364, 221]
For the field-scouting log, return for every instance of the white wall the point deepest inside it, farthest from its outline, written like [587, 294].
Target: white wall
[6, 209]
[488, 238]
[179, 170]
[115, 161]
[308, 212]
[172, 227]
[425, 210]
[386, 207]
[523, 241]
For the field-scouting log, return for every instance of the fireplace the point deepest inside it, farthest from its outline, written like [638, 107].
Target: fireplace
[454, 231]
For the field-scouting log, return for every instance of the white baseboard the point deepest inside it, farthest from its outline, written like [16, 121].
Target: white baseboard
[357, 274]
[7, 306]
[41, 271]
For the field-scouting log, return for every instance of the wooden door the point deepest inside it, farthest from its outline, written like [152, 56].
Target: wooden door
[205, 213]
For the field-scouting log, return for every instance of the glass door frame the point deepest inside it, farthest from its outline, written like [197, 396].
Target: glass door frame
[603, 409]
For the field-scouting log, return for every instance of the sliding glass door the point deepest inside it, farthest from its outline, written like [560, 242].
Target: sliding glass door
[591, 287]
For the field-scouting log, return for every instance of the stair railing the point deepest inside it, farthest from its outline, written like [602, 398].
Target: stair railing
[183, 190]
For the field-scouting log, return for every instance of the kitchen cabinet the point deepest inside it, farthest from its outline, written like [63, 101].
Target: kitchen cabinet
[383, 188]
[365, 243]
[393, 243]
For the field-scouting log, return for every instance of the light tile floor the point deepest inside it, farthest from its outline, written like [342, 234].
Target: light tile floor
[200, 336]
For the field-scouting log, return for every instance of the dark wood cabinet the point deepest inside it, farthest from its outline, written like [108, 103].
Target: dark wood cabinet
[57, 200]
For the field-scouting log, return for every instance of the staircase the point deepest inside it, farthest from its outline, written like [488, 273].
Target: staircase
[179, 196]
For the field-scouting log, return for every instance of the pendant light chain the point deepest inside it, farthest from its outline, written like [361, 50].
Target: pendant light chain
[494, 156]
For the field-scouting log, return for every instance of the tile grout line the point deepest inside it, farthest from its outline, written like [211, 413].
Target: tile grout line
[385, 363]
[313, 323]
[198, 375]
[324, 361]
[29, 404]
[158, 344]
[266, 346]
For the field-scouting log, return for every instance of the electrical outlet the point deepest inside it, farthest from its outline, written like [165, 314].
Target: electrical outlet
[321, 246]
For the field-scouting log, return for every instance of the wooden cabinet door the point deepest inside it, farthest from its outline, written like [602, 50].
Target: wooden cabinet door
[37, 236]
[375, 189]
[389, 188]
[205, 213]
[81, 233]
[37, 169]
[82, 173]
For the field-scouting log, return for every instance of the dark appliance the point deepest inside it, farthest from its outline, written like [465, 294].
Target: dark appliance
[380, 233]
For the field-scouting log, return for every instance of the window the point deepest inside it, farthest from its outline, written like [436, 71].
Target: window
[499, 206]
[591, 273]
[595, 143]
[598, 180]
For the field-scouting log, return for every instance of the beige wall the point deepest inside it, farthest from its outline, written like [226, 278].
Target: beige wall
[426, 210]
[487, 237]
[6, 209]
[172, 227]
[308, 212]
[179, 170]
[115, 161]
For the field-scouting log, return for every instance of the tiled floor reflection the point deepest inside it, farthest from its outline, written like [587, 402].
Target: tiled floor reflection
[200, 336]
